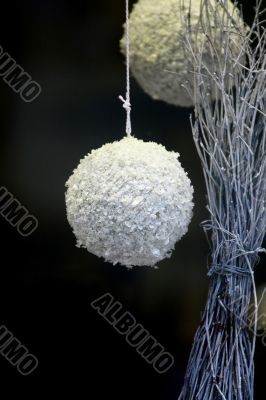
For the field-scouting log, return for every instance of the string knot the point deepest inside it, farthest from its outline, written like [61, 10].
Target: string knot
[126, 103]
[127, 107]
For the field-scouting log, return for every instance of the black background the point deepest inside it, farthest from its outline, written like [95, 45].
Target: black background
[72, 49]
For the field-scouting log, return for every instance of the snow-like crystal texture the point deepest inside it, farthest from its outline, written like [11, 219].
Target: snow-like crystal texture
[157, 56]
[129, 201]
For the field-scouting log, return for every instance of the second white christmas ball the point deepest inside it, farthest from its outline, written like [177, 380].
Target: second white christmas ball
[157, 57]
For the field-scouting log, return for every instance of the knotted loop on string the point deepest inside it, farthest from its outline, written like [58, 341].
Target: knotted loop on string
[127, 107]
[126, 103]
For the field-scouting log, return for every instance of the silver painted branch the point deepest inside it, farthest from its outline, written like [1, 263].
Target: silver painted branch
[230, 136]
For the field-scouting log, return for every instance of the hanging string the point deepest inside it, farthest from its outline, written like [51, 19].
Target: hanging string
[126, 101]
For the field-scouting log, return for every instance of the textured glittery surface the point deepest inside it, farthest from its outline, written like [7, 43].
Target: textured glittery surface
[130, 202]
[157, 54]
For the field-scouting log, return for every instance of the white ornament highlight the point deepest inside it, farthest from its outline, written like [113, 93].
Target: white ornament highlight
[157, 57]
[129, 202]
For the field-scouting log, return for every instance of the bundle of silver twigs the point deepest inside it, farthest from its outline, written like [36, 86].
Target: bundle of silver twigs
[230, 136]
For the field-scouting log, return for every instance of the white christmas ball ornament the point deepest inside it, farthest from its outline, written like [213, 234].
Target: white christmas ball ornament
[157, 58]
[130, 202]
